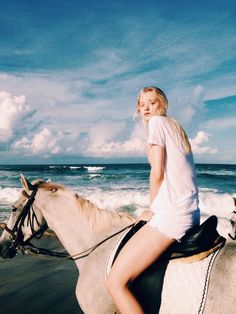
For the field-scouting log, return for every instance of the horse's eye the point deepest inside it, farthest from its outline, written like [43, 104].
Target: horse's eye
[53, 190]
[13, 208]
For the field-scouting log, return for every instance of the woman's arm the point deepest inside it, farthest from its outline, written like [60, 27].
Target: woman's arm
[149, 153]
[156, 156]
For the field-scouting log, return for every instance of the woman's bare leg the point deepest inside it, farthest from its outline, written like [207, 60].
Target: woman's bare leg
[138, 253]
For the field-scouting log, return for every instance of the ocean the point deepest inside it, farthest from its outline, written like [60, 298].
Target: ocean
[122, 186]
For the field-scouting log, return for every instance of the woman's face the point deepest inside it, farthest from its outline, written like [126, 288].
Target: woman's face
[148, 105]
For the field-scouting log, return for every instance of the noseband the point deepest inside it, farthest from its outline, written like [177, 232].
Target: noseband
[26, 215]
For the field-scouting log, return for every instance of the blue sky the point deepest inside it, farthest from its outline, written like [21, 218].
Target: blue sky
[70, 72]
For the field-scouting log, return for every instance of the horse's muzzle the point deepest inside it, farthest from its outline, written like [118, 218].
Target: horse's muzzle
[7, 251]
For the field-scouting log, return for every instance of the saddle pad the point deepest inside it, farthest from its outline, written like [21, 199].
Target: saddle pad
[185, 286]
[113, 253]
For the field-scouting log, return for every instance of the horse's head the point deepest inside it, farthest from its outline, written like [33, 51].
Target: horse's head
[25, 221]
[43, 204]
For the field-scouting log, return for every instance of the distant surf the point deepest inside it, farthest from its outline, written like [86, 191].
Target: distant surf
[122, 186]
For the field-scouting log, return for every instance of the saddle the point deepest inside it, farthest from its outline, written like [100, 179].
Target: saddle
[198, 243]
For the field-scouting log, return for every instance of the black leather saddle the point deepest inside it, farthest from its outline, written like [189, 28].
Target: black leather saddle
[147, 287]
[199, 239]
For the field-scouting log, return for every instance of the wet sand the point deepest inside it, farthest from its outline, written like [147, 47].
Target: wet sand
[32, 285]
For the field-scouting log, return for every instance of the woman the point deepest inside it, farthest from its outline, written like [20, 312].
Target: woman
[173, 198]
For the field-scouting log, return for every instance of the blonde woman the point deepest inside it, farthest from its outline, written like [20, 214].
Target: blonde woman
[173, 198]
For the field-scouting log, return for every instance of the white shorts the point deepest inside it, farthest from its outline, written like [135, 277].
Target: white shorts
[175, 227]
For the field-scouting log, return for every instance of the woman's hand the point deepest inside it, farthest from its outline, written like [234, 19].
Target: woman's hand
[146, 215]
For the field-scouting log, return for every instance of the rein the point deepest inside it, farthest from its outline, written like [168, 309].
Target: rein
[28, 212]
[36, 250]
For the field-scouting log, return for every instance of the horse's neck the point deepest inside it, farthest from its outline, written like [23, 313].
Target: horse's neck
[78, 233]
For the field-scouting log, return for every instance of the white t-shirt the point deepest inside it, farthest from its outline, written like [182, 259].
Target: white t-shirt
[178, 193]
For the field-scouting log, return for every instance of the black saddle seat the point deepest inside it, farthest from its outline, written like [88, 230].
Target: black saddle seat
[199, 239]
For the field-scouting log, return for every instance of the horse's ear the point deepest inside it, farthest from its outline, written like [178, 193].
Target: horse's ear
[26, 184]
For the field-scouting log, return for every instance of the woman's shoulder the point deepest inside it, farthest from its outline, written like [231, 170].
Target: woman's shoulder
[158, 120]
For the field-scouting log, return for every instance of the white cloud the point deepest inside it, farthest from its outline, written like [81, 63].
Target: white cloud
[131, 147]
[104, 131]
[108, 62]
[13, 111]
[101, 134]
[48, 142]
[221, 123]
[104, 142]
[46, 88]
[135, 145]
[45, 142]
[189, 109]
[196, 143]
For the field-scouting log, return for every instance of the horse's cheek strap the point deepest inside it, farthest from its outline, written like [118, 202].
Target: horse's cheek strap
[9, 230]
[26, 194]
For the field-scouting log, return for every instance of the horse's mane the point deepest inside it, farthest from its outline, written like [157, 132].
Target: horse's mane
[98, 218]
[101, 218]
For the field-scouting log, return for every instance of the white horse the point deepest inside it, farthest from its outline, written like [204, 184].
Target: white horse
[79, 225]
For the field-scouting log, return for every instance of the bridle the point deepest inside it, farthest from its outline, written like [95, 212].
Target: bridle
[28, 215]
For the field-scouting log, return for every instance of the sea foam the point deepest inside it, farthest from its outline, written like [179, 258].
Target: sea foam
[211, 202]
[93, 168]
[8, 195]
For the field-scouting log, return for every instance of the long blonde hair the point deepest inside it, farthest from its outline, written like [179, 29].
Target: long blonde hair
[161, 99]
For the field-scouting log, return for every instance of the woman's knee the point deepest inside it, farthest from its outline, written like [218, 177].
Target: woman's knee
[114, 283]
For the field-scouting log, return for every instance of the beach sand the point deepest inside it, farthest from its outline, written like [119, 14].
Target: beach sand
[40, 286]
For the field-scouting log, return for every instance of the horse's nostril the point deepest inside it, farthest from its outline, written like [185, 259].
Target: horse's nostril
[11, 253]
[8, 252]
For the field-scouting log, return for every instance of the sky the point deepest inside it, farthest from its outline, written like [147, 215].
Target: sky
[70, 72]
